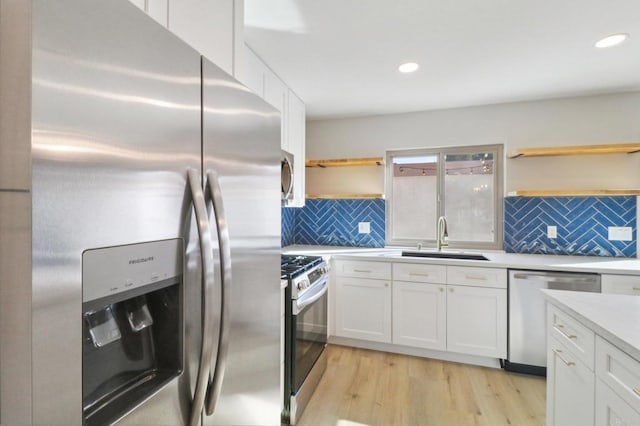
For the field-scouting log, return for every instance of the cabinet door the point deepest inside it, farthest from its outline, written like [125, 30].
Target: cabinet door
[611, 410]
[420, 315]
[275, 91]
[621, 284]
[252, 71]
[363, 309]
[139, 3]
[207, 26]
[570, 388]
[477, 321]
[295, 134]
[159, 10]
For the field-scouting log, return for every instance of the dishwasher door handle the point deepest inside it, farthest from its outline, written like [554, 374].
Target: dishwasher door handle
[555, 278]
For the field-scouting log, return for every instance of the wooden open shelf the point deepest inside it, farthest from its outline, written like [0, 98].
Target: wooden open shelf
[573, 192]
[346, 162]
[342, 196]
[618, 148]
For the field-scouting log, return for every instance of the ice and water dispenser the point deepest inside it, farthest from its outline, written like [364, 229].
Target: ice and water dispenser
[132, 329]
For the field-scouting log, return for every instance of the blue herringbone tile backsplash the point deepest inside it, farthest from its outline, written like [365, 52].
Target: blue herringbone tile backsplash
[581, 222]
[335, 223]
[582, 225]
[288, 217]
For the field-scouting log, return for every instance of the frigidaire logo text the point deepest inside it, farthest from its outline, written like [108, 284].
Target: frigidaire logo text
[141, 260]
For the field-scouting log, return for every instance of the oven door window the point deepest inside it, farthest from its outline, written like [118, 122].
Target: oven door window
[309, 340]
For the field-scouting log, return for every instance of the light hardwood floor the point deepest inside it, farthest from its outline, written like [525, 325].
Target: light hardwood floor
[376, 388]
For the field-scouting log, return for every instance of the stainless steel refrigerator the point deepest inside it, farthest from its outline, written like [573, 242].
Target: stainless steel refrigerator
[139, 226]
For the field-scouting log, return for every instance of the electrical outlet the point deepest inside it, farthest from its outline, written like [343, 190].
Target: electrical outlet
[619, 233]
[552, 231]
[364, 228]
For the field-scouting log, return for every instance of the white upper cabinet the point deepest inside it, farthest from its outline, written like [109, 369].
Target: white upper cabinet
[254, 73]
[275, 91]
[212, 27]
[208, 26]
[251, 71]
[159, 10]
[295, 144]
[139, 3]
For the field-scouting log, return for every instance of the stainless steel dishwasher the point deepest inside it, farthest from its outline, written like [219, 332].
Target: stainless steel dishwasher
[527, 315]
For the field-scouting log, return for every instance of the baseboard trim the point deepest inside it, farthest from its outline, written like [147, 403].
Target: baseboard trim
[424, 353]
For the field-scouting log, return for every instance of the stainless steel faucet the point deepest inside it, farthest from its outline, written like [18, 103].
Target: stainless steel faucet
[442, 233]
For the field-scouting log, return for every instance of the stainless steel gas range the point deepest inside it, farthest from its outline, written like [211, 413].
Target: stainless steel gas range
[305, 330]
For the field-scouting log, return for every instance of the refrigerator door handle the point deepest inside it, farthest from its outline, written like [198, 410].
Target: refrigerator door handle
[207, 283]
[217, 372]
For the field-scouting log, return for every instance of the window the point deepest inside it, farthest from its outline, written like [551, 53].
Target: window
[463, 184]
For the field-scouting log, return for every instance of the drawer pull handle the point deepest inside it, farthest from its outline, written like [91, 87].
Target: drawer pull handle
[476, 277]
[362, 270]
[636, 391]
[558, 352]
[568, 336]
[418, 274]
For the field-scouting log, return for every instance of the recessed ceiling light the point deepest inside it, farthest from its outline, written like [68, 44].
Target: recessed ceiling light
[611, 40]
[408, 67]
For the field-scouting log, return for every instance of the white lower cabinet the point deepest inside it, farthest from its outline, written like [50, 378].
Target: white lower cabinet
[584, 392]
[570, 388]
[611, 410]
[363, 309]
[422, 305]
[420, 315]
[477, 321]
[621, 284]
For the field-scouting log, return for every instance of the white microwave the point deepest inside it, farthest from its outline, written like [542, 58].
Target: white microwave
[286, 181]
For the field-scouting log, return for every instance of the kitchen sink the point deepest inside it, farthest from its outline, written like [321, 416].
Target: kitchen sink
[444, 255]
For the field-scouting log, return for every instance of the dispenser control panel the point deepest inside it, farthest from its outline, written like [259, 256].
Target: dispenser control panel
[112, 270]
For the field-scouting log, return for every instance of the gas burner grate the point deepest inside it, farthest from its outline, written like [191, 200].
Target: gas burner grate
[293, 265]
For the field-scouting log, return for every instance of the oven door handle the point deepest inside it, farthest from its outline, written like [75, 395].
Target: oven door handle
[300, 304]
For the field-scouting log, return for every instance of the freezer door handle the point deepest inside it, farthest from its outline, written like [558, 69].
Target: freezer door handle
[207, 283]
[214, 192]
[554, 278]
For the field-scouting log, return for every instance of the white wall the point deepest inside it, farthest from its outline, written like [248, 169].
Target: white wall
[571, 121]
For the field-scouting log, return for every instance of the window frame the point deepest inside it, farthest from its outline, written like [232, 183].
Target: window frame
[441, 152]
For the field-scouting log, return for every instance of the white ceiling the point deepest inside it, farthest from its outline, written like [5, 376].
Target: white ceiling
[341, 56]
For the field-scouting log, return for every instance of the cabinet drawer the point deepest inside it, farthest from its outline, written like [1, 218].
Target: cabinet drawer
[363, 269]
[477, 277]
[436, 274]
[619, 371]
[621, 284]
[576, 337]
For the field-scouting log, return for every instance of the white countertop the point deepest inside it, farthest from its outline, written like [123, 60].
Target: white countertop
[497, 259]
[615, 317]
